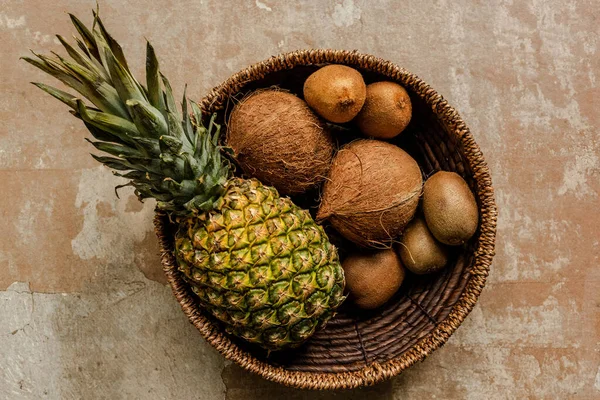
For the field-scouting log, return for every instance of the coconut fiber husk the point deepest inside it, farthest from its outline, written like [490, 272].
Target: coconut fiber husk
[362, 349]
[372, 192]
[280, 141]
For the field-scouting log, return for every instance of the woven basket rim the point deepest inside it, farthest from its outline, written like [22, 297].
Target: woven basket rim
[482, 258]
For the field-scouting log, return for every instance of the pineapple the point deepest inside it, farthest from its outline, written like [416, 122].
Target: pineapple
[256, 261]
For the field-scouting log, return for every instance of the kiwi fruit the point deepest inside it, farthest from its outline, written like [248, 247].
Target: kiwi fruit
[373, 277]
[450, 208]
[386, 112]
[335, 92]
[419, 251]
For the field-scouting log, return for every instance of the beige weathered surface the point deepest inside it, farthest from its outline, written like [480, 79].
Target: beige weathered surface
[82, 314]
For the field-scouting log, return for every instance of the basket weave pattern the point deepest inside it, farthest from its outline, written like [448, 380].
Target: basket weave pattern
[354, 350]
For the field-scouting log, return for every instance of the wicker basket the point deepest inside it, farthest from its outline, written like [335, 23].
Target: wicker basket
[358, 350]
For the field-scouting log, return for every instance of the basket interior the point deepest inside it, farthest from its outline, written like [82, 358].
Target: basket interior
[353, 339]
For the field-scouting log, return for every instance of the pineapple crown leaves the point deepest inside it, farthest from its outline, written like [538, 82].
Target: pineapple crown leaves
[165, 154]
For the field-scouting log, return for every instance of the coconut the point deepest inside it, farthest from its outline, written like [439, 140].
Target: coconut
[372, 192]
[277, 139]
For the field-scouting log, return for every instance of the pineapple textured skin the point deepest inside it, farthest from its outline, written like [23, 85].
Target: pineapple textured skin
[261, 266]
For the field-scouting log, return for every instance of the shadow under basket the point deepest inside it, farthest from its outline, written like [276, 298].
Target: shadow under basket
[360, 349]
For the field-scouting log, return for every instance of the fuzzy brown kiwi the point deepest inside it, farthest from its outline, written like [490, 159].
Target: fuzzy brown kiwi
[335, 92]
[371, 193]
[373, 277]
[450, 208]
[386, 112]
[277, 138]
[418, 249]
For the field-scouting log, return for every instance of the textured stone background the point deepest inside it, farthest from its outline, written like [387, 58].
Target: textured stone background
[83, 307]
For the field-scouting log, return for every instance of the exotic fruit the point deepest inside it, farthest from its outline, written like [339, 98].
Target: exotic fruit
[450, 208]
[371, 193]
[257, 262]
[387, 110]
[277, 139]
[372, 278]
[418, 249]
[335, 92]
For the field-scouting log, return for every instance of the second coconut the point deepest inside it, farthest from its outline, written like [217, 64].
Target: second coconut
[372, 192]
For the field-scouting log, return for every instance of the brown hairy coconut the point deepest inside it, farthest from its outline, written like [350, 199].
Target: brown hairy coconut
[372, 192]
[277, 139]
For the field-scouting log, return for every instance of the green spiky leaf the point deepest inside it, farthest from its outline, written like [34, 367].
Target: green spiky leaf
[86, 36]
[117, 150]
[117, 126]
[125, 84]
[155, 94]
[112, 43]
[166, 154]
[149, 121]
[65, 97]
